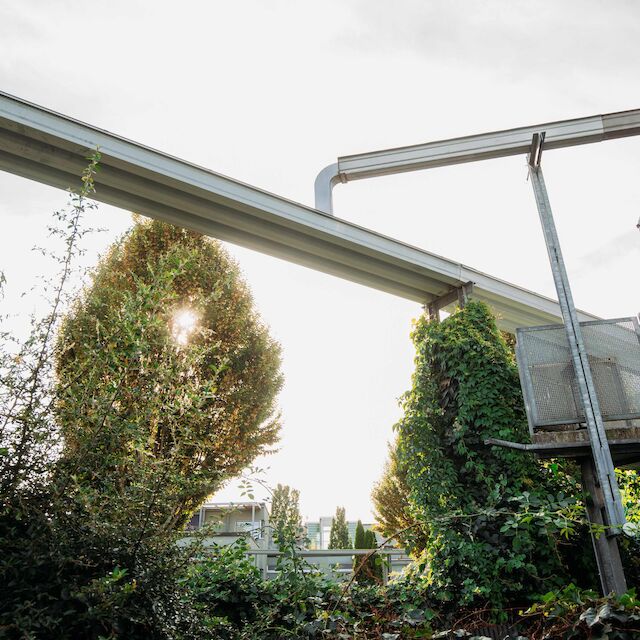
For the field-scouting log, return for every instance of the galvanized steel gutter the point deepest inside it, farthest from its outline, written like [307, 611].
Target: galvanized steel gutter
[484, 146]
[45, 146]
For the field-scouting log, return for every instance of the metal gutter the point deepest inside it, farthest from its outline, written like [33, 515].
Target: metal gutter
[497, 144]
[45, 146]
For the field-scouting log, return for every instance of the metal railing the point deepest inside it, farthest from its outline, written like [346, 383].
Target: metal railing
[337, 563]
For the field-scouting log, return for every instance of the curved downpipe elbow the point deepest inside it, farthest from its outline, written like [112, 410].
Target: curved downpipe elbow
[323, 187]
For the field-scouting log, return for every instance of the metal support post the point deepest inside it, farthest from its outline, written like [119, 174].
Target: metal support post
[605, 478]
[605, 547]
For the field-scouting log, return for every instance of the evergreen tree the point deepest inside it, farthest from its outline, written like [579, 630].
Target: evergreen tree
[374, 563]
[359, 538]
[370, 541]
[368, 570]
[339, 537]
[359, 561]
[286, 520]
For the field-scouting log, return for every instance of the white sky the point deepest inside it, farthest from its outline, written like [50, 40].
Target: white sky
[269, 92]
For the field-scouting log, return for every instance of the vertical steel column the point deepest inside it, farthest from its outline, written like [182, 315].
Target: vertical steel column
[604, 480]
[605, 547]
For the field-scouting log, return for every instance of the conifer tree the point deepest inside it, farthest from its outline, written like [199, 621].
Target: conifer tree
[286, 520]
[374, 563]
[339, 537]
[359, 538]
[359, 542]
[367, 570]
[370, 539]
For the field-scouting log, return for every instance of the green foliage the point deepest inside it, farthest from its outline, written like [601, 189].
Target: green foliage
[99, 466]
[367, 568]
[28, 435]
[359, 562]
[102, 459]
[629, 483]
[393, 512]
[466, 494]
[63, 578]
[174, 409]
[236, 603]
[570, 613]
[375, 561]
[370, 539]
[65, 571]
[359, 537]
[285, 518]
[339, 536]
[226, 585]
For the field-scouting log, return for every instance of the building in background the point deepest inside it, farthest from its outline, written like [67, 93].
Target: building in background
[229, 521]
[319, 532]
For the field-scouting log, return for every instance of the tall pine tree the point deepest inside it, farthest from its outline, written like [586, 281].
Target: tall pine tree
[339, 537]
[367, 569]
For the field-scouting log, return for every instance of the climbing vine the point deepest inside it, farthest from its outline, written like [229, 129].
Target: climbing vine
[499, 524]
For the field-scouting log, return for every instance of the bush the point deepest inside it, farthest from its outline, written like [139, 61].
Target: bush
[62, 577]
[298, 603]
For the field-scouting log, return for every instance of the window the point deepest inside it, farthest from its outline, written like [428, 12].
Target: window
[248, 526]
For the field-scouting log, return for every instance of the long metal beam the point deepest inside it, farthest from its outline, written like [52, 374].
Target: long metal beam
[497, 144]
[600, 471]
[45, 146]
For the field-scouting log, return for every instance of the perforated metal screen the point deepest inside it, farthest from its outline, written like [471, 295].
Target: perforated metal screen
[548, 379]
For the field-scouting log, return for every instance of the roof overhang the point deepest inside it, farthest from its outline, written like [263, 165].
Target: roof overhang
[47, 147]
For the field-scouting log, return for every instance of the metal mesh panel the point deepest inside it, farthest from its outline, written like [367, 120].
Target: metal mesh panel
[548, 378]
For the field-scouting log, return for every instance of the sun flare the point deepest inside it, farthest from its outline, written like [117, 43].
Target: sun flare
[184, 324]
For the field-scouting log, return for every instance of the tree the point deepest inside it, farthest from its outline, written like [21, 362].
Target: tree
[370, 539]
[78, 562]
[390, 495]
[339, 536]
[359, 540]
[491, 515]
[367, 569]
[29, 437]
[374, 563]
[167, 378]
[359, 561]
[286, 520]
